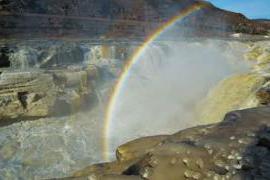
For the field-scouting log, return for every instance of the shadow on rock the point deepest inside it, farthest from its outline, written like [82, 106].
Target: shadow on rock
[237, 148]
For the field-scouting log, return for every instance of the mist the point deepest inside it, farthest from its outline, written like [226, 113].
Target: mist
[163, 87]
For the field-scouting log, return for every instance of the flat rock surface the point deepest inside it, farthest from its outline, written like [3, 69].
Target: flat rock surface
[236, 148]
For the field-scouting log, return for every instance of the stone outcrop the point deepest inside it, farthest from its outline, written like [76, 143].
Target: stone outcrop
[37, 93]
[236, 148]
[28, 94]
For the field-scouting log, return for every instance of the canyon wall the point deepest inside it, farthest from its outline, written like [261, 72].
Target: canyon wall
[113, 19]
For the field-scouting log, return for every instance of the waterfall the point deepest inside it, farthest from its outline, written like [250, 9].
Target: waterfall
[164, 86]
[22, 58]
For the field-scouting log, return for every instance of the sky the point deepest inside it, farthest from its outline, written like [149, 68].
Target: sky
[250, 8]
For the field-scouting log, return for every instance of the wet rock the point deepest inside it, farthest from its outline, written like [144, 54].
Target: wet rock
[26, 93]
[263, 94]
[107, 168]
[37, 93]
[237, 148]
[105, 177]
[123, 152]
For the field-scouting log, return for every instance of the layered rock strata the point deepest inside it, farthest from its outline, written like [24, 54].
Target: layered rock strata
[117, 19]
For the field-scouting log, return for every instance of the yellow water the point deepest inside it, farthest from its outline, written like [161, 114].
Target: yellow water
[236, 92]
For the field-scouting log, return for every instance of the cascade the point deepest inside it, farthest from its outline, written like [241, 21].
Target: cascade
[163, 87]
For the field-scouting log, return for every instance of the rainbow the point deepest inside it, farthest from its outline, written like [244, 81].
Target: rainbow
[134, 58]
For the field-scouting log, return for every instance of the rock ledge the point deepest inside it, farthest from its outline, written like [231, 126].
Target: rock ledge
[236, 148]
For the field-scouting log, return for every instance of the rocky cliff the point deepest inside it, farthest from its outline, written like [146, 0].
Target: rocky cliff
[116, 18]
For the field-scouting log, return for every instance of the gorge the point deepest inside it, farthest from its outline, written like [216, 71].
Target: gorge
[72, 97]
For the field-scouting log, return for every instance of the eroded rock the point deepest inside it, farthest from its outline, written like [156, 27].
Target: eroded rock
[236, 148]
[37, 93]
